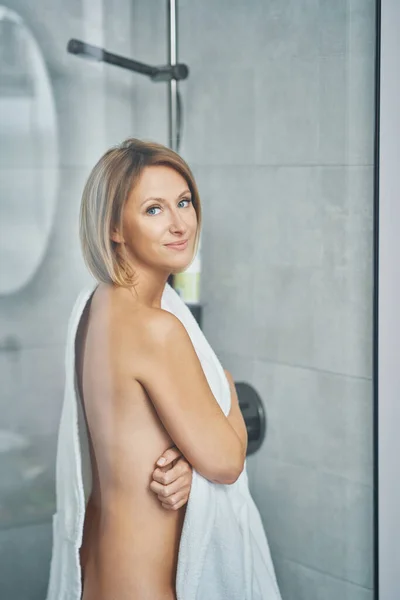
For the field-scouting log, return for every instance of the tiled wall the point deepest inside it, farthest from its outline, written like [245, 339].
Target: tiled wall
[278, 127]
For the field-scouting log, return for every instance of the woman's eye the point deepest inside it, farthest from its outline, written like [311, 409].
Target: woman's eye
[186, 200]
[152, 208]
[189, 200]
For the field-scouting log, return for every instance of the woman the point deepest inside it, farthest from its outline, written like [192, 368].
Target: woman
[146, 388]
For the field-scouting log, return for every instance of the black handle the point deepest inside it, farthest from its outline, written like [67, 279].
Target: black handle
[253, 413]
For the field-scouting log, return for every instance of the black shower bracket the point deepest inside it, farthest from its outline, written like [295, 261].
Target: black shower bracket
[163, 73]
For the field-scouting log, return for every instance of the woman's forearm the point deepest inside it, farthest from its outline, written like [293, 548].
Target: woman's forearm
[235, 416]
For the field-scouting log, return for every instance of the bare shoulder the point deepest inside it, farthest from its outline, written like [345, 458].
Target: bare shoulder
[157, 335]
[133, 330]
[160, 326]
[117, 320]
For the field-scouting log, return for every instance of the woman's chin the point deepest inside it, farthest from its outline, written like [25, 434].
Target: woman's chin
[180, 264]
[175, 269]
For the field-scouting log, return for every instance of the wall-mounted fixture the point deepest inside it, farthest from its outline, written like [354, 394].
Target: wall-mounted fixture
[254, 415]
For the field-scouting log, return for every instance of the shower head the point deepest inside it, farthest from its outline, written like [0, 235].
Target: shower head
[162, 73]
[85, 50]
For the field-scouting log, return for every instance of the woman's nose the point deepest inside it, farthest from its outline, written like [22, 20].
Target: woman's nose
[177, 223]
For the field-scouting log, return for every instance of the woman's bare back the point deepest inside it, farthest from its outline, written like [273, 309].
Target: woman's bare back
[130, 542]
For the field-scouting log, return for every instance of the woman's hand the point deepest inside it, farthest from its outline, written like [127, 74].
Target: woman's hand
[172, 480]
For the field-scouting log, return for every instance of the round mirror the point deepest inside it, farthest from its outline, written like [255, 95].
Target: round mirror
[28, 154]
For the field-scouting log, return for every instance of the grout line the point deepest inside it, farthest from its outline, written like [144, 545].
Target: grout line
[275, 550]
[319, 470]
[293, 365]
[279, 165]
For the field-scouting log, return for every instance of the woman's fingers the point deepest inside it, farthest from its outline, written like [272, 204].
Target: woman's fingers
[169, 456]
[182, 467]
[165, 491]
[175, 501]
[177, 504]
[173, 485]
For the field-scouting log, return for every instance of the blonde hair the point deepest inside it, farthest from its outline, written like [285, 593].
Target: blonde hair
[104, 197]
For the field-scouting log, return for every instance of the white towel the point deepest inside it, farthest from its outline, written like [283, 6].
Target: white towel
[223, 552]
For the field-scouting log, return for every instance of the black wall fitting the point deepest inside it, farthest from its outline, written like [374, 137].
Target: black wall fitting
[253, 413]
[162, 73]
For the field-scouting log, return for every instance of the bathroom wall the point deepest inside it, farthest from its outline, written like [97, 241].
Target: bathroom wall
[278, 128]
[95, 109]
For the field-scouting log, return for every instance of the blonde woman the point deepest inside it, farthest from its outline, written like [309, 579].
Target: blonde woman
[149, 386]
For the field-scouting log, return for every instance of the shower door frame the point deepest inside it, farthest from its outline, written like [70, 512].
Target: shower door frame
[386, 304]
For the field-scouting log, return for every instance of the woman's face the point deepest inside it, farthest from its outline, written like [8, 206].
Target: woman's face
[158, 212]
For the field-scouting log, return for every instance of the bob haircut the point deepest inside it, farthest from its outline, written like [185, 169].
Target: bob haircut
[103, 200]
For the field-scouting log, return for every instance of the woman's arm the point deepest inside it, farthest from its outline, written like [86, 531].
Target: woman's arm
[235, 416]
[168, 368]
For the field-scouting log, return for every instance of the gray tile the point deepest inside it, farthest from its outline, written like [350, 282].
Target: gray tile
[148, 99]
[317, 420]
[286, 218]
[221, 34]
[227, 284]
[219, 117]
[298, 582]
[346, 110]
[119, 110]
[24, 562]
[119, 104]
[332, 111]
[344, 519]
[81, 112]
[119, 23]
[361, 27]
[286, 106]
[322, 521]
[241, 367]
[361, 109]
[309, 28]
[315, 111]
[286, 29]
[332, 31]
[149, 32]
[287, 497]
[151, 111]
[312, 257]
[358, 521]
[283, 300]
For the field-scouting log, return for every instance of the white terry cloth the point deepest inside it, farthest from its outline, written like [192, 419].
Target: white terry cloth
[223, 552]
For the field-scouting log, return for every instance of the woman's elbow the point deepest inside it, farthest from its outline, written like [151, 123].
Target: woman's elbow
[234, 473]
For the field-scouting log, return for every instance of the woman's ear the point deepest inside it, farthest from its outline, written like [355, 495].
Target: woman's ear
[116, 237]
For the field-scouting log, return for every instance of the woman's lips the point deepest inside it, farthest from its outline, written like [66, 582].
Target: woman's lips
[178, 246]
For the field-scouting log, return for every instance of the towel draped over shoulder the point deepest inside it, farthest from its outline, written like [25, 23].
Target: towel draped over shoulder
[223, 551]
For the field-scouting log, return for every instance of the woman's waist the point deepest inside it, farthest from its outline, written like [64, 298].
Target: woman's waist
[125, 560]
[108, 576]
[144, 531]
